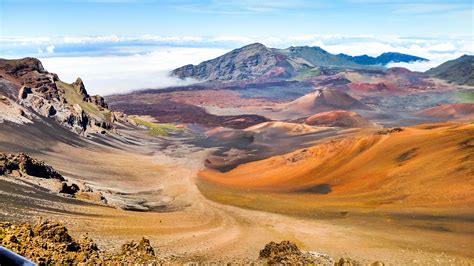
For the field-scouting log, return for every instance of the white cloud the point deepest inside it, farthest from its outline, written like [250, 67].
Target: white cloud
[116, 64]
[120, 74]
[50, 49]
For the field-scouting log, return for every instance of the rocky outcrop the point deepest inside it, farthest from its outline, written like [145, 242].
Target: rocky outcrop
[287, 253]
[49, 243]
[99, 101]
[44, 94]
[25, 165]
[81, 89]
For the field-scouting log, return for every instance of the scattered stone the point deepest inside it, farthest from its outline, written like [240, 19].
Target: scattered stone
[346, 262]
[69, 189]
[50, 111]
[390, 131]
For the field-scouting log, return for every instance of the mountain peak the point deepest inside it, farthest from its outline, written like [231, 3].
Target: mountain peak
[254, 45]
[459, 70]
[255, 61]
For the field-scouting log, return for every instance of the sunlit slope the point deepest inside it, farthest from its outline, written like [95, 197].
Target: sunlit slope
[421, 166]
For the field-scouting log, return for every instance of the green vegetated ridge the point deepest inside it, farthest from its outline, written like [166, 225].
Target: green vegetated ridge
[73, 97]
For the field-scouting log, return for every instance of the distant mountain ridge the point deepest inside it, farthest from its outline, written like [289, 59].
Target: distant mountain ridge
[383, 59]
[460, 70]
[256, 61]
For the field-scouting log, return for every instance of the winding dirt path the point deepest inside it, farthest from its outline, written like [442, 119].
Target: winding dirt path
[202, 230]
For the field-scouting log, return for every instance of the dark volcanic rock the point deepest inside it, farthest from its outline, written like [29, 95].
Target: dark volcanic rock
[27, 165]
[24, 91]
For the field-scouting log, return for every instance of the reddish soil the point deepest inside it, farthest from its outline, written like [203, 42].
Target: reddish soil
[339, 118]
[450, 111]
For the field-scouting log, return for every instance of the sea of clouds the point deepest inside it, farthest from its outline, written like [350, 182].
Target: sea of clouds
[116, 64]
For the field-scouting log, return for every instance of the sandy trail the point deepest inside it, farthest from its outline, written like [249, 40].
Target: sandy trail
[202, 230]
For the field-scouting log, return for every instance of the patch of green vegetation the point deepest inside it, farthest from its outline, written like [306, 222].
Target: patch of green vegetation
[312, 72]
[157, 129]
[465, 96]
[73, 97]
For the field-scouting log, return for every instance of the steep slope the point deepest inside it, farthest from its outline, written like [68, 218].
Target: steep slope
[29, 91]
[256, 61]
[315, 56]
[246, 63]
[383, 59]
[381, 170]
[460, 70]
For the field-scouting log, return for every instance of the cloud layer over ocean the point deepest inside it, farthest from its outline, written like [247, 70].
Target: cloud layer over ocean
[117, 64]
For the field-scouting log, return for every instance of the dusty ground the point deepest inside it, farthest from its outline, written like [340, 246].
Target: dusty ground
[193, 227]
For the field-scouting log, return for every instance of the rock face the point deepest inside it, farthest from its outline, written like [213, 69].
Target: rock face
[26, 165]
[81, 89]
[27, 83]
[256, 61]
[49, 243]
[99, 101]
[460, 70]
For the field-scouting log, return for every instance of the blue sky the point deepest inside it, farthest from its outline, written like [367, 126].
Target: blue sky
[119, 45]
[235, 17]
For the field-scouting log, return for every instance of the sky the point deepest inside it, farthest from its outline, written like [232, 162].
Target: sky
[121, 45]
